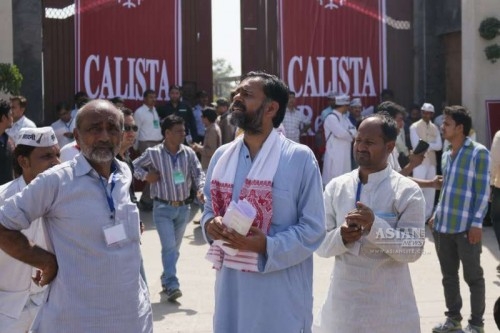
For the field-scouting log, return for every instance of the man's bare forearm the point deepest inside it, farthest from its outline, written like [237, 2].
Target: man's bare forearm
[15, 244]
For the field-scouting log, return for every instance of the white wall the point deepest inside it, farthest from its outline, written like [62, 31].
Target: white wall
[480, 78]
[6, 42]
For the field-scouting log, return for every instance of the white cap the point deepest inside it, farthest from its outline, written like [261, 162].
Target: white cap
[36, 137]
[331, 95]
[356, 102]
[427, 107]
[342, 100]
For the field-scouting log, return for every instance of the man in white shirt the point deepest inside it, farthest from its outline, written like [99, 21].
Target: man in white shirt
[295, 122]
[149, 135]
[20, 297]
[339, 134]
[375, 226]
[64, 126]
[425, 130]
[18, 107]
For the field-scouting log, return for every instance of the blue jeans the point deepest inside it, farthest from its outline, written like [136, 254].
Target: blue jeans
[170, 223]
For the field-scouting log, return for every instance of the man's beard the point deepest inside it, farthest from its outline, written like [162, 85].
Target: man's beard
[251, 123]
[101, 154]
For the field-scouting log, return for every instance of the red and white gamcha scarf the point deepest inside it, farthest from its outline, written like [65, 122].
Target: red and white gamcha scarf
[257, 190]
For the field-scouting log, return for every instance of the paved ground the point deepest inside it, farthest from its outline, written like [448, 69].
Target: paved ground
[193, 312]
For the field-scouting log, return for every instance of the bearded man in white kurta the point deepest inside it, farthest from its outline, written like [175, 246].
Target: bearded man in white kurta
[375, 227]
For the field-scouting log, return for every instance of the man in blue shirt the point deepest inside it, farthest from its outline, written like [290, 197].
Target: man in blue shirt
[458, 219]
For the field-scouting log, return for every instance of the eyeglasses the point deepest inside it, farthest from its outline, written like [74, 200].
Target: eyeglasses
[128, 128]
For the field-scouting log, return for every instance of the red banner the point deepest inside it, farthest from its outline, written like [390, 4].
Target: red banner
[124, 47]
[493, 114]
[332, 46]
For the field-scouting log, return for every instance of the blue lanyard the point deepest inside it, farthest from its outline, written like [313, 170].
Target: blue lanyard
[358, 192]
[68, 125]
[173, 158]
[109, 196]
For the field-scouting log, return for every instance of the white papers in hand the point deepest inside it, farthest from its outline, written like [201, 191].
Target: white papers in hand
[239, 217]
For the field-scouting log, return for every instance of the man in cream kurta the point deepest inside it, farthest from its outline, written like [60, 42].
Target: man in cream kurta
[375, 227]
[425, 130]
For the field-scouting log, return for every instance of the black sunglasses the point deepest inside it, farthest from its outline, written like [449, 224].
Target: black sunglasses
[128, 128]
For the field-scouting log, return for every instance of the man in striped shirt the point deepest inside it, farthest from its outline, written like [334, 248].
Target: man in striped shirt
[458, 219]
[172, 169]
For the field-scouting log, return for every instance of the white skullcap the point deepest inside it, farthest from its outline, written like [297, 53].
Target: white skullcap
[427, 107]
[37, 137]
[342, 100]
[331, 95]
[356, 102]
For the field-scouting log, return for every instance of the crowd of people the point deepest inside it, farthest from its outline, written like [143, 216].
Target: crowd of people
[70, 222]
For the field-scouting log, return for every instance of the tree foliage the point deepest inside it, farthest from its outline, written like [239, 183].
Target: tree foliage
[10, 79]
[223, 75]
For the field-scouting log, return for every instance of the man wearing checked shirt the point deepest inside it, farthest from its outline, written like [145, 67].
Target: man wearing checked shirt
[172, 169]
[458, 219]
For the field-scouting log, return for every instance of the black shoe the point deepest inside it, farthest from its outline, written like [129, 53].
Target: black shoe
[173, 294]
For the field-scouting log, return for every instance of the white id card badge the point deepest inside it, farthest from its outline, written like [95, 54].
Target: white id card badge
[114, 234]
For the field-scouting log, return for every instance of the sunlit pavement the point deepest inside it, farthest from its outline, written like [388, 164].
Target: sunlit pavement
[193, 311]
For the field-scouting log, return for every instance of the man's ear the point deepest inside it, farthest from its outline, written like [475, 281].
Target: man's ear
[390, 146]
[76, 135]
[23, 162]
[272, 108]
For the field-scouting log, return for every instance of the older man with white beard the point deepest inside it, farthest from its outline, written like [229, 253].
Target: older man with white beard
[94, 230]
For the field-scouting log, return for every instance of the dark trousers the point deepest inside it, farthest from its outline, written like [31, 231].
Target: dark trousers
[451, 250]
[495, 212]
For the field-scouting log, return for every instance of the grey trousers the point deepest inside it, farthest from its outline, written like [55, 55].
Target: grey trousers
[451, 250]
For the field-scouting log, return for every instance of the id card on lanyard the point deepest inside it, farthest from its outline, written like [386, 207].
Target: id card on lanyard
[114, 233]
[177, 174]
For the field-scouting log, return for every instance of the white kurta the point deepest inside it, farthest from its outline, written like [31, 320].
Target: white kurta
[427, 170]
[370, 288]
[16, 285]
[339, 133]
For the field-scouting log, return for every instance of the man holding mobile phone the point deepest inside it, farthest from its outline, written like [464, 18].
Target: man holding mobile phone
[426, 131]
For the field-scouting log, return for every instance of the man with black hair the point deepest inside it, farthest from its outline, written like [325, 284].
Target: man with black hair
[178, 107]
[64, 126]
[18, 106]
[372, 214]
[20, 297]
[81, 98]
[457, 222]
[227, 129]
[172, 169]
[6, 143]
[267, 286]
[212, 139]
[147, 119]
